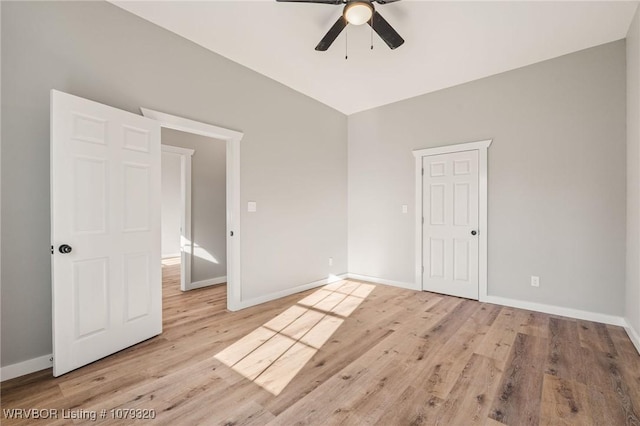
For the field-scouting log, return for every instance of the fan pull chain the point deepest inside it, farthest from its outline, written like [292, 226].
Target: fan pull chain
[371, 25]
[346, 43]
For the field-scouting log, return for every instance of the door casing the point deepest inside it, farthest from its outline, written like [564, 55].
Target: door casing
[482, 148]
[232, 139]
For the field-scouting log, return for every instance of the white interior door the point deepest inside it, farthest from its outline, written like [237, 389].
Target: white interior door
[105, 230]
[450, 226]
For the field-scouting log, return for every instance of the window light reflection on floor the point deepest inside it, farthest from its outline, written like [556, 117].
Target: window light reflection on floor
[274, 353]
[170, 261]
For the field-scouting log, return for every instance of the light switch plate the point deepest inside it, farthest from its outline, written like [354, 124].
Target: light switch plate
[252, 206]
[405, 208]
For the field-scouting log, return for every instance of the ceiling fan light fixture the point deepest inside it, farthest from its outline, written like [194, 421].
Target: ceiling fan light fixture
[358, 12]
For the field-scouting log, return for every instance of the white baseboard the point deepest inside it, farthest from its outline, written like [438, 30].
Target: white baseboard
[277, 295]
[556, 310]
[633, 335]
[376, 280]
[521, 304]
[18, 369]
[206, 283]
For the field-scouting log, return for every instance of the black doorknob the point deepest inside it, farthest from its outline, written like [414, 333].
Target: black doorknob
[474, 232]
[65, 249]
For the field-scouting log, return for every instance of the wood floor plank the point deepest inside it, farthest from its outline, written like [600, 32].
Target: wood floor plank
[469, 401]
[564, 402]
[414, 406]
[611, 396]
[595, 336]
[625, 349]
[397, 357]
[498, 340]
[518, 399]
[95, 396]
[487, 314]
[535, 324]
[628, 361]
[356, 386]
[455, 353]
[417, 361]
[31, 392]
[367, 408]
[490, 422]
[193, 376]
[564, 359]
[325, 364]
[352, 388]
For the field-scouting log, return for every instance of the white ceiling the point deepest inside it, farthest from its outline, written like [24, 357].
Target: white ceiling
[447, 43]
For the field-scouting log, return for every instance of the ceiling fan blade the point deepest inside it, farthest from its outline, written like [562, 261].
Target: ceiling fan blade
[382, 1]
[385, 31]
[315, 1]
[332, 34]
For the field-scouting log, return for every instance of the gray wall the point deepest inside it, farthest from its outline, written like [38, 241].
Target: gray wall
[556, 178]
[632, 311]
[293, 155]
[171, 204]
[208, 202]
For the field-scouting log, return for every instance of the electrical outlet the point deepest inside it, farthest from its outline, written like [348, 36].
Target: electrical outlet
[535, 281]
[331, 261]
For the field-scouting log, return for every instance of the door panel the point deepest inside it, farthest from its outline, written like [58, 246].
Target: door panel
[437, 204]
[90, 198]
[461, 260]
[105, 204]
[137, 286]
[136, 197]
[450, 208]
[436, 258]
[91, 296]
[461, 195]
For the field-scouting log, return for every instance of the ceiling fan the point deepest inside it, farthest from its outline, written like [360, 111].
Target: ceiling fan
[357, 12]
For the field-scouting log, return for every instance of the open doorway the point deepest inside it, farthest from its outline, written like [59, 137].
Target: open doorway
[176, 237]
[194, 208]
[232, 140]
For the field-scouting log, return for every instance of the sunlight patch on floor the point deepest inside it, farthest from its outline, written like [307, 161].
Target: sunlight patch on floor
[273, 354]
[170, 261]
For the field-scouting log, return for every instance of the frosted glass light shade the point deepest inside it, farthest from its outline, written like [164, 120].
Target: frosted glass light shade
[358, 13]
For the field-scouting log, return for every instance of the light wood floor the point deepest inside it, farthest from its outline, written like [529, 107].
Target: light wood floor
[401, 358]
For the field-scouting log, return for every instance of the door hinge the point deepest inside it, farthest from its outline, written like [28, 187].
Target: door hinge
[423, 171]
[423, 220]
[422, 269]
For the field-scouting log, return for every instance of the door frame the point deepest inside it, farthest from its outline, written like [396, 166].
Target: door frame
[186, 243]
[232, 139]
[482, 148]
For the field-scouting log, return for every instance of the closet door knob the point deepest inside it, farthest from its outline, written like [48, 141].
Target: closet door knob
[65, 249]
